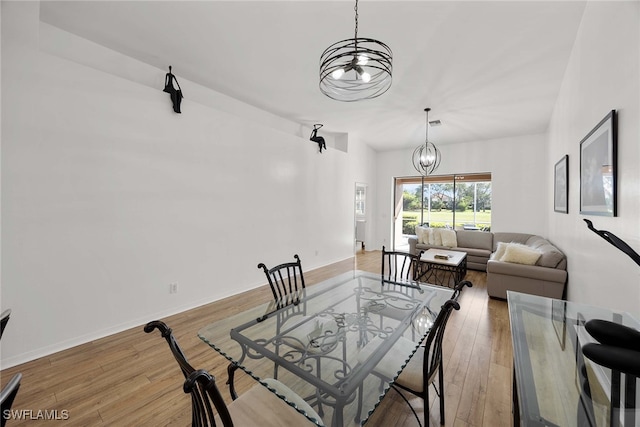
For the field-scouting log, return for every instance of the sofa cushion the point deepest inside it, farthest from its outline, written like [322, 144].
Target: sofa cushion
[448, 238]
[528, 271]
[425, 247]
[475, 239]
[475, 252]
[520, 254]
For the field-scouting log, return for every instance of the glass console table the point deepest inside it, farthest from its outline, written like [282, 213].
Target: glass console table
[315, 345]
[553, 383]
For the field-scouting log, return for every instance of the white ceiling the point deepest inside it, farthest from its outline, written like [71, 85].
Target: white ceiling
[486, 69]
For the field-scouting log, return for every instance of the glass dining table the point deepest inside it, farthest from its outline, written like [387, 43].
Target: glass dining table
[327, 340]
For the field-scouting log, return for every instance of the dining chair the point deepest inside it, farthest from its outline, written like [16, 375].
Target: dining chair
[7, 396]
[310, 334]
[424, 366]
[4, 319]
[262, 405]
[285, 280]
[398, 265]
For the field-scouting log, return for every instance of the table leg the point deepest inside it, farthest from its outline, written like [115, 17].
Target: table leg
[514, 401]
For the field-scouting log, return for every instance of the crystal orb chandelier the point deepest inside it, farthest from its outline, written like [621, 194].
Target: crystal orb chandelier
[355, 69]
[426, 157]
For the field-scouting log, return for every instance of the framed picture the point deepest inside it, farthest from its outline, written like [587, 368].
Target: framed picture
[561, 186]
[598, 164]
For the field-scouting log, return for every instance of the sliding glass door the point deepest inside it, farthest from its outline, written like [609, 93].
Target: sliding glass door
[446, 201]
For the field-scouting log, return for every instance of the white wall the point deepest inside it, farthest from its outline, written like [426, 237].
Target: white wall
[108, 196]
[602, 75]
[519, 199]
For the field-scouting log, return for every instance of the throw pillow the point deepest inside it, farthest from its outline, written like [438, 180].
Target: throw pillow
[428, 231]
[449, 238]
[520, 254]
[435, 239]
[499, 253]
[420, 233]
[431, 236]
[550, 258]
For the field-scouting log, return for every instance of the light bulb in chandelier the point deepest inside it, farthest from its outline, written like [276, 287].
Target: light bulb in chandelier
[427, 159]
[362, 74]
[363, 59]
[337, 74]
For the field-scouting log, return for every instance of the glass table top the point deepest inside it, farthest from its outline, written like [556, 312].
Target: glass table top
[326, 346]
[556, 384]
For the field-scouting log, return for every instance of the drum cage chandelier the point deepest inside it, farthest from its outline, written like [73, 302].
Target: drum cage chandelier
[355, 69]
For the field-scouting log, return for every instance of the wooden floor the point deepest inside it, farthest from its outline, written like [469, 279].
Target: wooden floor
[131, 379]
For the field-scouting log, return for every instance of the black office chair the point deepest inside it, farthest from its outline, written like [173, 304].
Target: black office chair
[4, 319]
[400, 266]
[257, 406]
[285, 280]
[8, 395]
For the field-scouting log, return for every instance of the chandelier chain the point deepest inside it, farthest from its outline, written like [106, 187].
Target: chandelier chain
[356, 10]
[427, 131]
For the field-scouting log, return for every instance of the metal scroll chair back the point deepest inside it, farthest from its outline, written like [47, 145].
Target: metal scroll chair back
[8, 395]
[457, 290]
[431, 366]
[4, 319]
[399, 266]
[205, 395]
[286, 280]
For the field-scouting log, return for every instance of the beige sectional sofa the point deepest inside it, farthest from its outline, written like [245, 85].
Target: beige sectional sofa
[477, 244]
[547, 276]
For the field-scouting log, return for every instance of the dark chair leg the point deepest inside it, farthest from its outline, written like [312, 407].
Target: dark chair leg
[231, 370]
[441, 391]
[426, 405]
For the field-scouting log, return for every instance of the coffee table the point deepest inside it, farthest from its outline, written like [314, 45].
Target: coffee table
[444, 272]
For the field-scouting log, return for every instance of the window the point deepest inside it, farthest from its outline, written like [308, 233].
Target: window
[447, 201]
